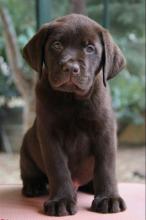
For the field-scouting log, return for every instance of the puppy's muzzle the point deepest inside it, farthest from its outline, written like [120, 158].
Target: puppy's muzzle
[71, 68]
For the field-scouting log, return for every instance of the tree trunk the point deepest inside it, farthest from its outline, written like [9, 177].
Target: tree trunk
[78, 6]
[24, 84]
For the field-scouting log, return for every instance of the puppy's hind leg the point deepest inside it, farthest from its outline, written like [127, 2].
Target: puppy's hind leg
[35, 182]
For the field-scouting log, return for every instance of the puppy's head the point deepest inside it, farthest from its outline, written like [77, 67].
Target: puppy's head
[73, 50]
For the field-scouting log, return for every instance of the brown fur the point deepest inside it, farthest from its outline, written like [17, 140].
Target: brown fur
[73, 139]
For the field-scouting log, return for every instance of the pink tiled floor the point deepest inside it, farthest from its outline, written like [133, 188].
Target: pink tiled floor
[13, 206]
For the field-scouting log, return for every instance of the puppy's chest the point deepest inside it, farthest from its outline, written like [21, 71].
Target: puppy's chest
[76, 128]
[76, 143]
[78, 148]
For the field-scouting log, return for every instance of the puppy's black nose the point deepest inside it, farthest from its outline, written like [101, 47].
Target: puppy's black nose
[72, 68]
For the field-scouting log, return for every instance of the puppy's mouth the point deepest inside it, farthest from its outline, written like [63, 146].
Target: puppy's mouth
[71, 87]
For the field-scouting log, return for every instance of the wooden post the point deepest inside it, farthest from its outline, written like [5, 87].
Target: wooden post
[43, 11]
[106, 21]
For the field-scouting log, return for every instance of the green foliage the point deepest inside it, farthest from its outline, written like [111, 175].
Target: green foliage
[25, 25]
[23, 19]
[128, 97]
[126, 20]
[125, 14]
[23, 14]
[7, 87]
[60, 8]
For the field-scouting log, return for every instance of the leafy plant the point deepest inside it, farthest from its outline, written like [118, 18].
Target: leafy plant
[128, 88]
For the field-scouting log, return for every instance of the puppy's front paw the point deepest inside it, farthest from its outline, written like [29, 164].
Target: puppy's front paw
[104, 204]
[60, 207]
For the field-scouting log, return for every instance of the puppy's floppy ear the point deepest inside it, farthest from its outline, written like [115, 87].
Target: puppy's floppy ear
[113, 59]
[33, 52]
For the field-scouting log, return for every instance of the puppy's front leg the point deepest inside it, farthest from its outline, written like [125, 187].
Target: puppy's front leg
[62, 196]
[107, 199]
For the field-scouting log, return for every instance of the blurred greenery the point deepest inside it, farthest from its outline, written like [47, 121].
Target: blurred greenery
[24, 23]
[126, 19]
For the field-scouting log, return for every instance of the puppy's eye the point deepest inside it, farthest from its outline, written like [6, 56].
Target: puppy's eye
[57, 45]
[90, 48]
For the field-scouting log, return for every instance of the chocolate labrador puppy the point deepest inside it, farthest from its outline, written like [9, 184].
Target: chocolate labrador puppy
[73, 139]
